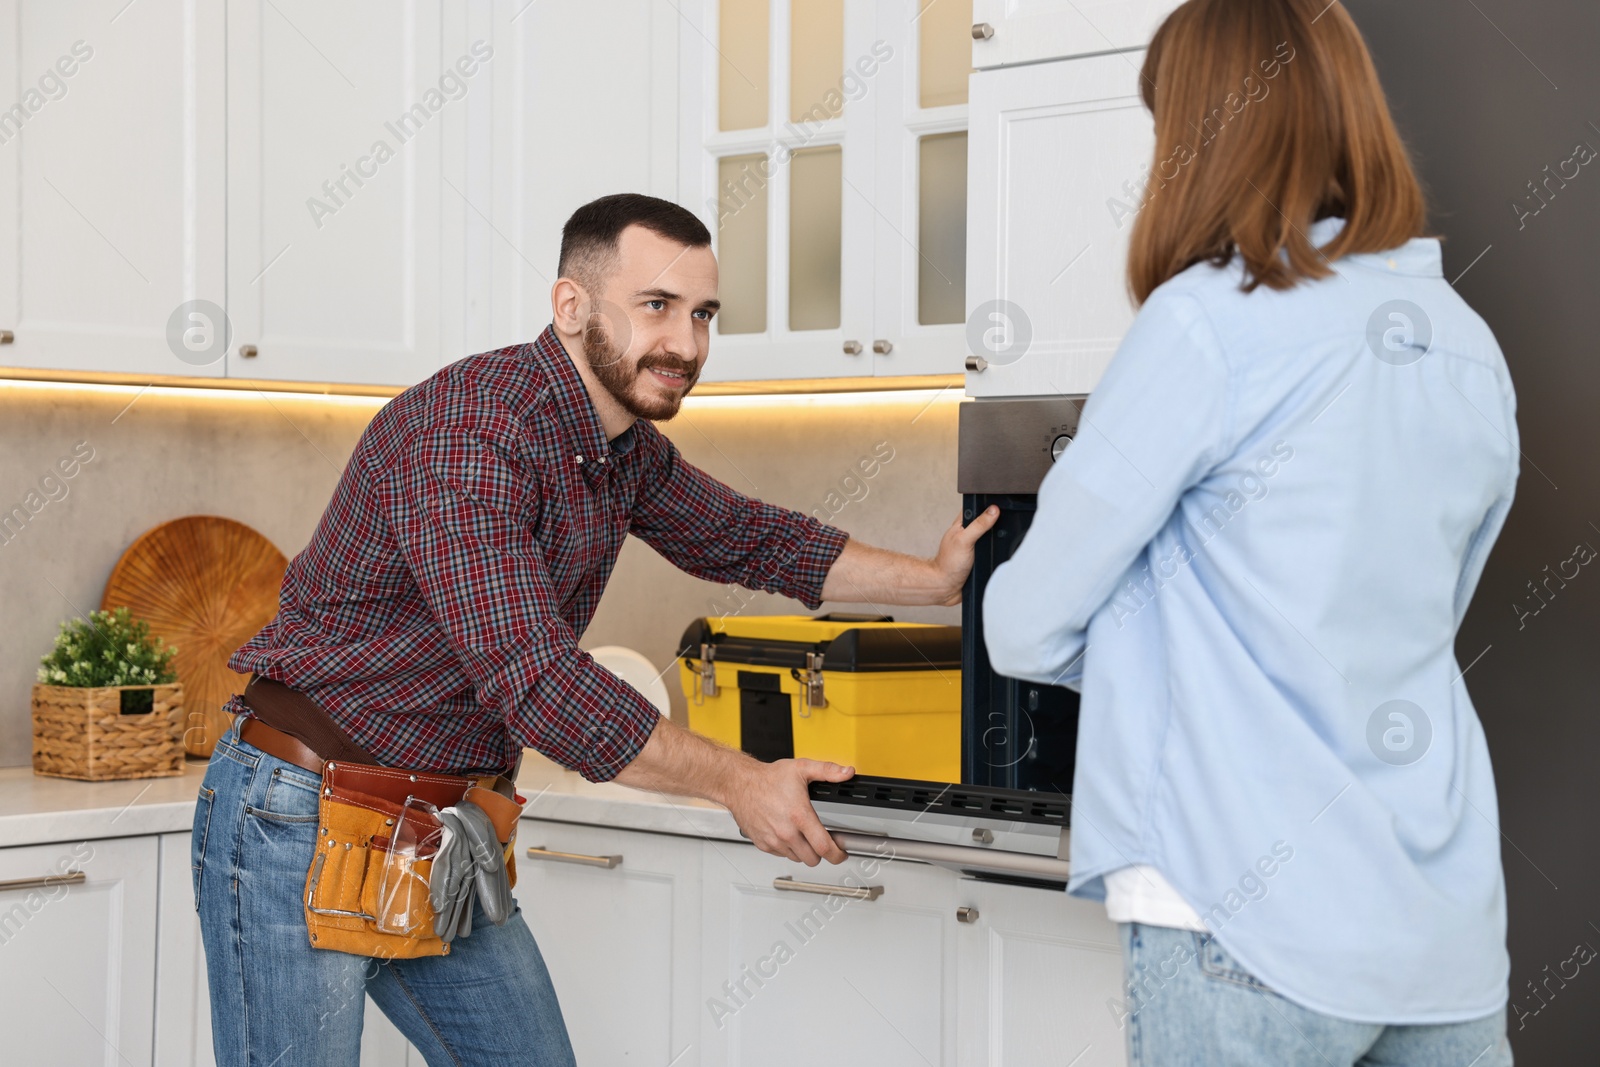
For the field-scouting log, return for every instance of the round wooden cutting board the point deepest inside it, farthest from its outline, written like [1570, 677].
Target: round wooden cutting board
[205, 584]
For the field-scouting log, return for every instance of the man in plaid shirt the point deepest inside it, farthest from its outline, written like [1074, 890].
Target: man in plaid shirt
[435, 615]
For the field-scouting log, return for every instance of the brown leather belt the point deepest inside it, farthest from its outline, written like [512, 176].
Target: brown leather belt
[253, 731]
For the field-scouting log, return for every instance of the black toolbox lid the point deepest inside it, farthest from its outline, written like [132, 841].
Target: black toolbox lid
[868, 648]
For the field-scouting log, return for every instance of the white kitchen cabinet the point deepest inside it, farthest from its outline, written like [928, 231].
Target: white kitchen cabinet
[824, 145]
[796, 978]
[1040, 976]
[182, 1002]
[79, 958]
[112, 184]
[621, 941]
[584, 104]
[1059, 153]
[1028, 31]
[343, 230]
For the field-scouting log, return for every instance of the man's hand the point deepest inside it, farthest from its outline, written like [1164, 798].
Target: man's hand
[768, 800]
[866, 575]
[953, 562]
[770, 803]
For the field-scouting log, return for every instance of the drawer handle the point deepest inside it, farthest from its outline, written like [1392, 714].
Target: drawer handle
[854, 892]
[49, 880]
[540, 853]
[982, 31]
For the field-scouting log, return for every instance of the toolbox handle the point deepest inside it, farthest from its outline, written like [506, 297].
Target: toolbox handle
[851, 616]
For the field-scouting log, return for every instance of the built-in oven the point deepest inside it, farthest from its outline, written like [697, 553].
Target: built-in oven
[1009, 816]
[1015, 734]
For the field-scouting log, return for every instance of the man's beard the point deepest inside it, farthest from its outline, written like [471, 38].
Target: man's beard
[622, 379]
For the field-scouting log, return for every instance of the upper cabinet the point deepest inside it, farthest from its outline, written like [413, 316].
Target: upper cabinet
[1008, 32]
[112, 187]
[360, 194]
[825, 145]
[584, 103]
[343, 227]
[1060, 151]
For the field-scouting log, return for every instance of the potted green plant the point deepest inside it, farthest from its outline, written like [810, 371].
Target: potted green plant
[108, 703]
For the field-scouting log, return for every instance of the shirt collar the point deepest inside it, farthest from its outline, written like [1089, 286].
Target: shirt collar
[590, 450]
[1419, 256]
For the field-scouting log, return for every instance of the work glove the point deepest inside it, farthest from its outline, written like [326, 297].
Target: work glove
[468, 866]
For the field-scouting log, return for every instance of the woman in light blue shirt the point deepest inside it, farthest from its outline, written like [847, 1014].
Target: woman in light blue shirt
[1253, 562]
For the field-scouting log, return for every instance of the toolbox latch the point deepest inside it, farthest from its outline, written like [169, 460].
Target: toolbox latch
[706, 674]
[810, 679]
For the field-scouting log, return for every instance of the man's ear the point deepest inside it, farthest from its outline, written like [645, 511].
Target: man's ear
[569, 306]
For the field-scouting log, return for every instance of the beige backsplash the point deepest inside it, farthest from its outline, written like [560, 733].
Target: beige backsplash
[272, 460]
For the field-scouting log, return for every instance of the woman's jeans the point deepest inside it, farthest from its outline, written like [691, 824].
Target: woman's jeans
[277, 1001]
[1190, 1004]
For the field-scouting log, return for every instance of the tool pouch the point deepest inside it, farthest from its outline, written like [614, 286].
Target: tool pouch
[366, 890]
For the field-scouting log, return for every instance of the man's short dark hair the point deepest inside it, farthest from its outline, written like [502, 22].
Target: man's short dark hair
[590, 237]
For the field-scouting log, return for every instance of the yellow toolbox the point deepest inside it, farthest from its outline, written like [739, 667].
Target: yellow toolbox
[881, 696]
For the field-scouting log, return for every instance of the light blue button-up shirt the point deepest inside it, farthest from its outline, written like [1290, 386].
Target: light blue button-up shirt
[1253, 561]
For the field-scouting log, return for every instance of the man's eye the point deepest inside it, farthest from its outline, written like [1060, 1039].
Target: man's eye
[704, 313]
[656, 305]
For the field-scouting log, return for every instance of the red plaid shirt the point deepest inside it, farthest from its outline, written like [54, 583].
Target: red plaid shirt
[436, 611]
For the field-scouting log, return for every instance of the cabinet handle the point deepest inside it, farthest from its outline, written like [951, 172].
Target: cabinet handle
[966, 915]
[6, 337]
[540, 853]
[982, 31]
[247, 351]
[852, 348]
[70, 878]
[977, 364]
[854, 892]
[882, 347]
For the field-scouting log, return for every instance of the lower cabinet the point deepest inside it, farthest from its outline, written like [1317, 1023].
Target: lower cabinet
[664, 949]
[183, 1006]
[616, 914]
[78, 955]
[795, 975]
[1040, 980]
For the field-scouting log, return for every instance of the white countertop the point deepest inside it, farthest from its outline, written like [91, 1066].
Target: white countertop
[38, 810]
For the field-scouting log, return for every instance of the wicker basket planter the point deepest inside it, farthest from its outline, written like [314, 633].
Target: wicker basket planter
[83, 733]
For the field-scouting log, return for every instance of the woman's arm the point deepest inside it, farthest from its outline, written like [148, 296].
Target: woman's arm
[1152, 429]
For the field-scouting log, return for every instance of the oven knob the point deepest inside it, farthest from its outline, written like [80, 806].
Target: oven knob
[1059, 445]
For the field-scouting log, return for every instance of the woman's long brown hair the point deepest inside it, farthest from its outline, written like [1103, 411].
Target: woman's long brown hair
[1268, 116]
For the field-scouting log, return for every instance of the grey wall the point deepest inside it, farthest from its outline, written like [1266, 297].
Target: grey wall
[1488, 94]
[271, 462]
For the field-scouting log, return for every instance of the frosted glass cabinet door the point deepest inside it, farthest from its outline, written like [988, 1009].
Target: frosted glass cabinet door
[112, 184]
[1026, 31]
[78, 960]
[1058, 153]
[778, 110]
[337, 205]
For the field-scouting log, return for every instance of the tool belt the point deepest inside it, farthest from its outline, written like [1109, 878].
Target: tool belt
[402, 856]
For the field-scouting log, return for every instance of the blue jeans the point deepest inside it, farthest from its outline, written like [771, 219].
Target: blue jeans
[1190, 1004]
[277, 1001]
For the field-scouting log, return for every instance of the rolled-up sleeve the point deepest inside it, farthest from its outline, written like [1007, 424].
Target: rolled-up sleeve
[713, 532]
[458, 504]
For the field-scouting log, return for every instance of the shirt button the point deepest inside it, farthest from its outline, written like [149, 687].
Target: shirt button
[580, 459]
